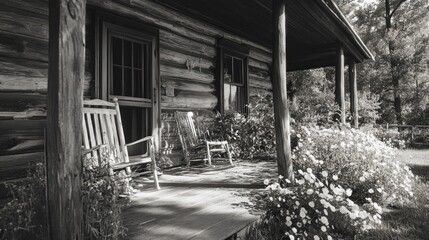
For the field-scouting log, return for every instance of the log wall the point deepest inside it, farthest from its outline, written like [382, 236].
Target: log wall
[187, 64]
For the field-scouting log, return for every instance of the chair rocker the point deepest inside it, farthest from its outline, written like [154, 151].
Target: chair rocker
[102, 130]
[194, 141]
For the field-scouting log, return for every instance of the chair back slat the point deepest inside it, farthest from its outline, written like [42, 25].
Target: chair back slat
[101, 126]
[98, 135]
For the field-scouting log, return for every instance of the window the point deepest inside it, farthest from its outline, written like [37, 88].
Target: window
[127, 73]
[233, 84]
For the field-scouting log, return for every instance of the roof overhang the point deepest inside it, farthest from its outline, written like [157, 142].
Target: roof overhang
[314, 27]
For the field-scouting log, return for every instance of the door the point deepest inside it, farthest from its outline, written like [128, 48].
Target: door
[129, 73]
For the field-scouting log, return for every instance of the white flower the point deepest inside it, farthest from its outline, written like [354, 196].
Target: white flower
[335, 177]
[370, 190]
[353, 215]
[271, 199]
[291, 237]
[280, 177]
[324, 220]
[309, 170]
[311, 204]
[294, 230]
[288, 223]
[288, 218]
[266, 181]
[362, 179]
[316, 237]
[349, 192]
[325, 173]
[329, 238]
[300, 182]
[310, 191]
[343, 210]
[323, 228]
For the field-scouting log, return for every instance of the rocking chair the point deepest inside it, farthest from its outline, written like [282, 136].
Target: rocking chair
[102, 130]
[195, 141]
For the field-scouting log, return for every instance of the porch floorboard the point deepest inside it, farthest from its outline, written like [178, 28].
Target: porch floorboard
[195, 203]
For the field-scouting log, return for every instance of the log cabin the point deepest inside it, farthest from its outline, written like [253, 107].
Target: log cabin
[156, 57]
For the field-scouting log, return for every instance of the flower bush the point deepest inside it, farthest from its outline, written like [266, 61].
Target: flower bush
[366, 165]
[24, 216]
[249, 136]
[314, 208]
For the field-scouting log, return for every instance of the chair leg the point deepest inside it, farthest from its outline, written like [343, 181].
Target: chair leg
[209, 157]
[155, 172]
[229, 154]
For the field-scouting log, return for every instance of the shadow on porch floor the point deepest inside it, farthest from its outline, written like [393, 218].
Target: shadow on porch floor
[196, 203]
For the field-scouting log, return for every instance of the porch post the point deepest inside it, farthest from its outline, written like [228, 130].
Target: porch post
[281, 108]
[353, 94]
[64, 118]
[339, 85]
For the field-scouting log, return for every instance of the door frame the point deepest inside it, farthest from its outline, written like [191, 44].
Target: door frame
[103, 22]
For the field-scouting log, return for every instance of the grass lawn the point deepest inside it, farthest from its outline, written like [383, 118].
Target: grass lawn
[418, 160]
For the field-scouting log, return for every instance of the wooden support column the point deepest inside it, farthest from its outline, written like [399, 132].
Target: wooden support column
[281, 108]
[64, 118]
[339, 86]
[353, 94]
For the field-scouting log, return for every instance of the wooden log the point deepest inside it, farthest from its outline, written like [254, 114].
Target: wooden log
[170, 56]
[64, 120]
[353, 94]
[15, 146]
[34, 6]
[19, 162]
[23, 23]
[189, 101]
[258, 64]
[180, 22]
[22, 47]
[13, 83]
[339, 86]
[175, 42]
[259, 82]
[21, 101]
[31, 113]
[182, 73]
[22, 67]
[24, 84]
[260, 56]
[281, 107]
[184, 85]
[121, 9]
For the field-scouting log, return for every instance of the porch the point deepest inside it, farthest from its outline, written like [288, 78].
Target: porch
[196, 203]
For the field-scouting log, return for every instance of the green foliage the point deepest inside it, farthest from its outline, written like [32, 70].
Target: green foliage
[25, 216]
[392, 137]
[249, 136]
[101, 202]
[367, 165]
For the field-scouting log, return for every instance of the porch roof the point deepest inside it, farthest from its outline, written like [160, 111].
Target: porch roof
[314, 27]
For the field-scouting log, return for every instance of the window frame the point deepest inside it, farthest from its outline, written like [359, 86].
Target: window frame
[226, 47]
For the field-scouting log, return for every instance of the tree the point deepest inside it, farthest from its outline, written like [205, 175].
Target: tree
[397, 33]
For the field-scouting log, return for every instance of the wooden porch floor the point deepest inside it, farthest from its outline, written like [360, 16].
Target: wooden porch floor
[206, 203]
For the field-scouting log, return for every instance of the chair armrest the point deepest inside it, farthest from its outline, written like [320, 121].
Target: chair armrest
[86, 151]
[148, 138]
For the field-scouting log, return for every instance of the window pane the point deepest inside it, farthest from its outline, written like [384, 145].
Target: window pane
[117, 81]
[227, 68]
[127, 53]
[238, 70]
[138, 88]
[128, 81]
[117, 50]
[137, 50]
[232, 101]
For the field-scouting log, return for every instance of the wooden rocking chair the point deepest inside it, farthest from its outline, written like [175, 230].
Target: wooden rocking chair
[102, 130]
[194, 141]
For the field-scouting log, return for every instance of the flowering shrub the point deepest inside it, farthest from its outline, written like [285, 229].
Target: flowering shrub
[392, 137]
[24, 216]
[315, 208]
[366, 165]
[250, 136]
